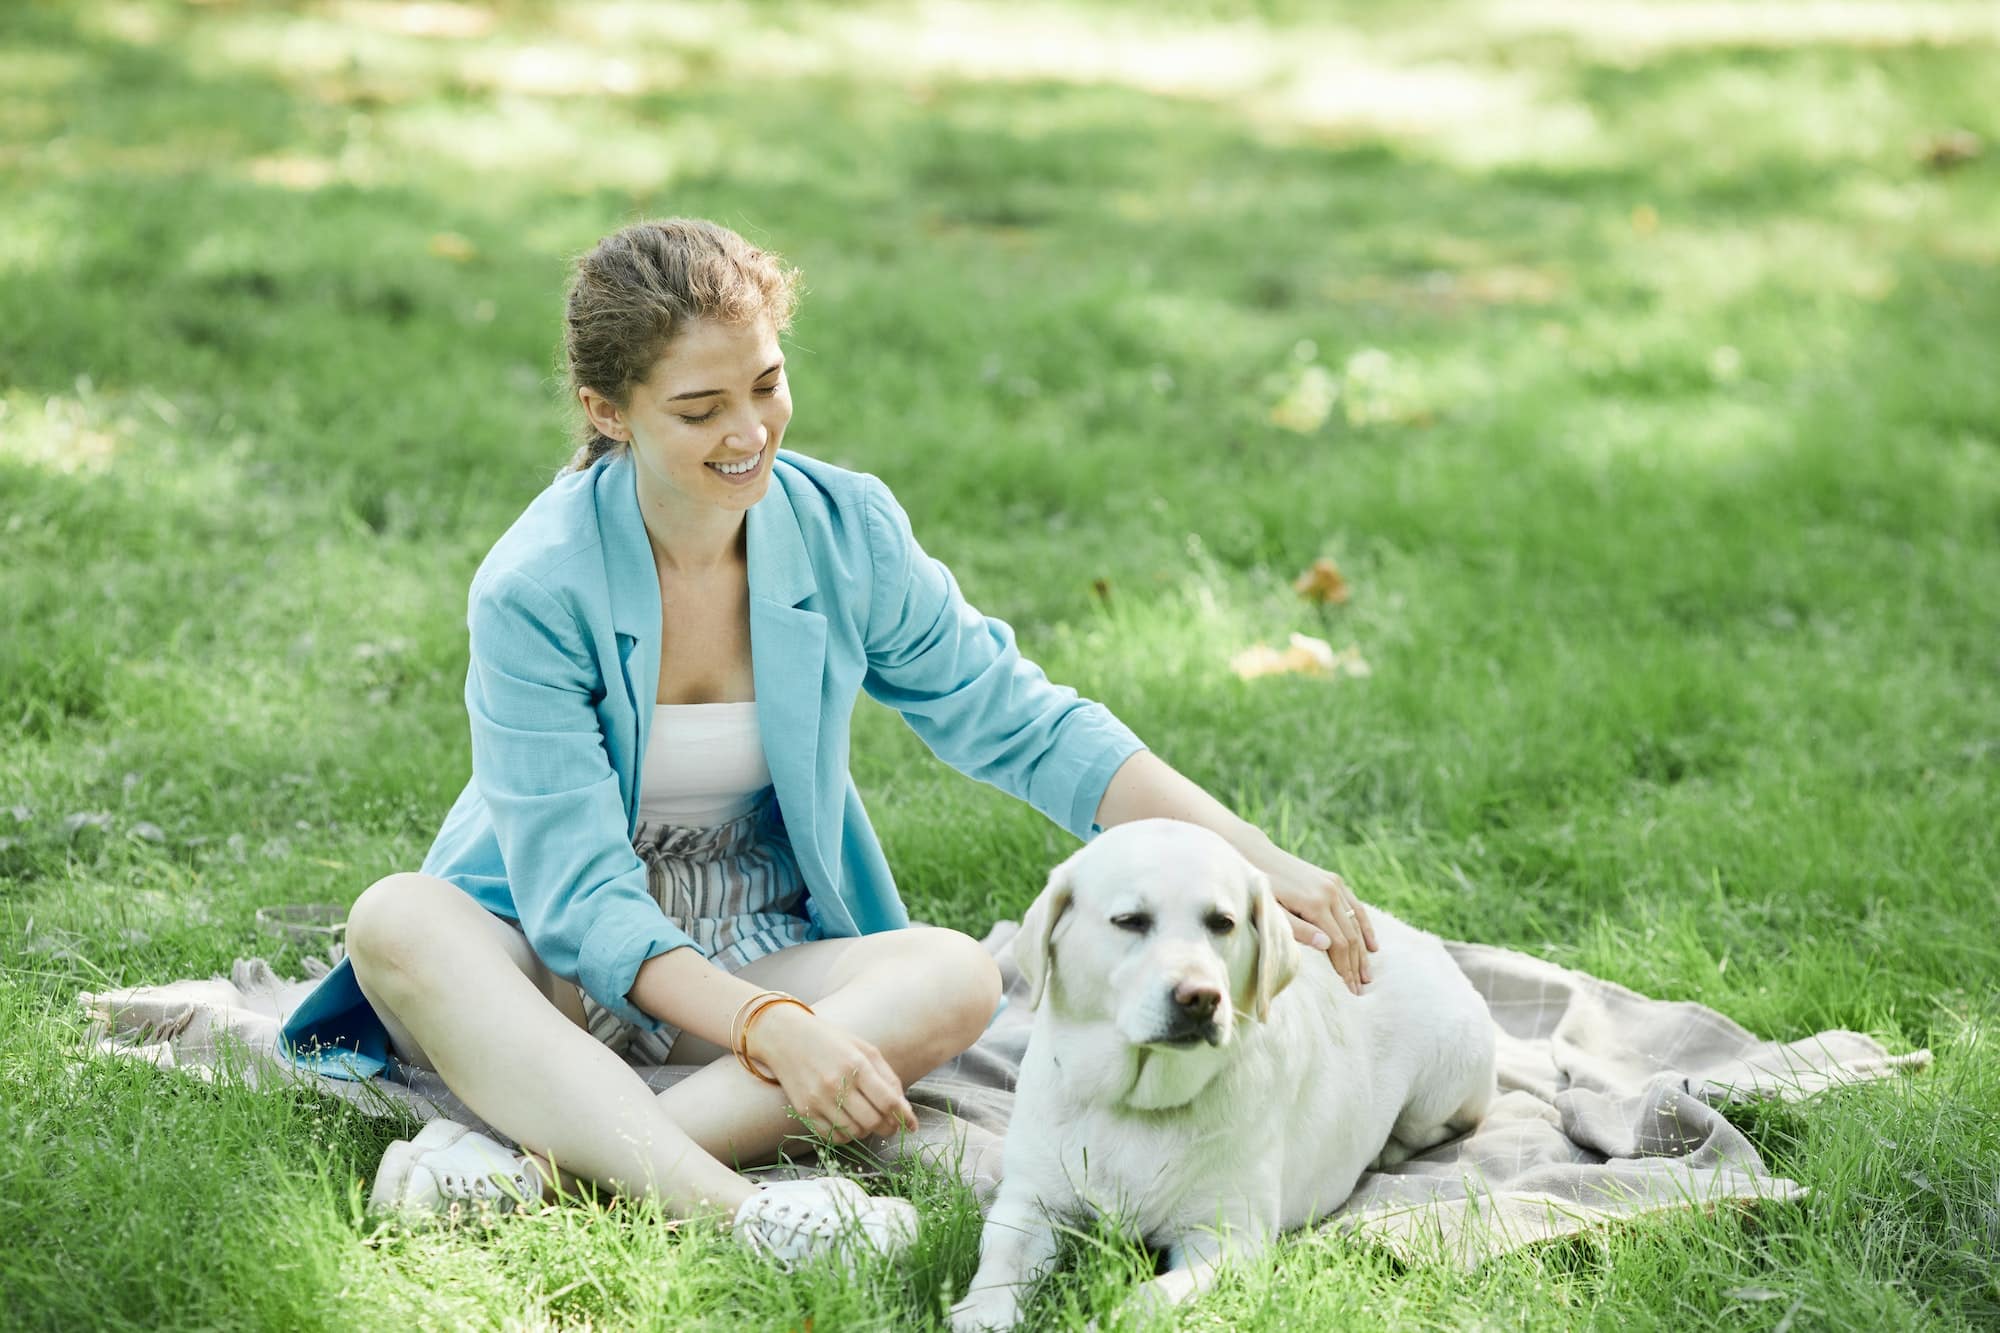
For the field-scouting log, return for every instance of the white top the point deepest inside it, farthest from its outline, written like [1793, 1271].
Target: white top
[704, 765]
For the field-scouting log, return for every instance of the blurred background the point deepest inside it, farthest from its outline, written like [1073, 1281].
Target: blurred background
[1632, 367]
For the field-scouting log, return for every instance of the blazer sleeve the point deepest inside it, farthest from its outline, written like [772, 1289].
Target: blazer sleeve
[959, 681]
[538, 757]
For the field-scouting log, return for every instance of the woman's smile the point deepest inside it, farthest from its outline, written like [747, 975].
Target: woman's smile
[742, 471]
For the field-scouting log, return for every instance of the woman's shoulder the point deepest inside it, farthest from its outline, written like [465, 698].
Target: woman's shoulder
[818, 484]
[831, 502]
[545, 544]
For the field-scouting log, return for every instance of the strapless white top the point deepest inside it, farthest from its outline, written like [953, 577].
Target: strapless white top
[704, 765]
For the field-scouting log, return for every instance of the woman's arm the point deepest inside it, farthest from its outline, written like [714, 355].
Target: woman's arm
[959, 680]
[841, 1084]
[1325, 912]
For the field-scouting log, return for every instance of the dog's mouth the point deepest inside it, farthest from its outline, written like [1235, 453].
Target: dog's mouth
[1209, 1034]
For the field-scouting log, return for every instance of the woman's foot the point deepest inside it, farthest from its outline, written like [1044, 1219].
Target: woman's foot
[793, 1221]
[451, 1165]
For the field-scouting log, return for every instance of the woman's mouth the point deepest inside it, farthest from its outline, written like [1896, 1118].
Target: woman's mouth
[741, 470]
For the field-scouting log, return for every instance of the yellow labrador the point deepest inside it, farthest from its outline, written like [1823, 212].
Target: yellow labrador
[1176, 1081]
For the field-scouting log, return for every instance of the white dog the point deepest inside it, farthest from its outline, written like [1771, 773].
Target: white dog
[1174, 1080]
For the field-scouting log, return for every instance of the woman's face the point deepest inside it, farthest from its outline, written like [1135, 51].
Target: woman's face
[717, 398]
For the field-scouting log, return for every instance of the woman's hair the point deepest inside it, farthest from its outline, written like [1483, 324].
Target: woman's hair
[631, 296]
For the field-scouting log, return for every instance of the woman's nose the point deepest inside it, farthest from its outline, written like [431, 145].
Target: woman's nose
[750, 435]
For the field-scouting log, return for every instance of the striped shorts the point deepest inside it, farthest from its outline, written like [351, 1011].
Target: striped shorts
[734, 887]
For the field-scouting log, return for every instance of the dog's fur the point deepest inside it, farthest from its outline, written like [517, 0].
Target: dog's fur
[1210, 1132]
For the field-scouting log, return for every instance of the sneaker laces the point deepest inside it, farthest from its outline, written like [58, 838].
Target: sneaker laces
[790, 1230]
[487, 1187]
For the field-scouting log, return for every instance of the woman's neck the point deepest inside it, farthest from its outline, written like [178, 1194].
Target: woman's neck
[693, 543]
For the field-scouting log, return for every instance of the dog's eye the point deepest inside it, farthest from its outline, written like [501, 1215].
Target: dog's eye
[1219, 923]
[1136, 922]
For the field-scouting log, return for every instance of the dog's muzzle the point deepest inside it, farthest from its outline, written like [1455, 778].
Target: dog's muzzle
[1192, 1017]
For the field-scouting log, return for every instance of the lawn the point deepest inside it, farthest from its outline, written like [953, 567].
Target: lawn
[1639, 365]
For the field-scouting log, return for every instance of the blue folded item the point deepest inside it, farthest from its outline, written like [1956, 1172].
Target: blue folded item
[335, 1031]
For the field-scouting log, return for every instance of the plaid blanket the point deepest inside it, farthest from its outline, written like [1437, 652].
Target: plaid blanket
[1608, 1105]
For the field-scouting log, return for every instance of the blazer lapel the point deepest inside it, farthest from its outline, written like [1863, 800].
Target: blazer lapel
[634, 589]
[787, 655]
[788, 659]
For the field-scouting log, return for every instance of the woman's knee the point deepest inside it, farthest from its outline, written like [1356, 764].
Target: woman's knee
[960, 979]
[397, 922]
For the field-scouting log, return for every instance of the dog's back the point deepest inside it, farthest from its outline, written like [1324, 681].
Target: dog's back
[1401, 1067]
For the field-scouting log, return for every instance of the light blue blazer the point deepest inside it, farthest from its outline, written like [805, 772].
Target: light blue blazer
[565, 636]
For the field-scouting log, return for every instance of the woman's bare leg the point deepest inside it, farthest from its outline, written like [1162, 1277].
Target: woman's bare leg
[921, 996]
[450, 983]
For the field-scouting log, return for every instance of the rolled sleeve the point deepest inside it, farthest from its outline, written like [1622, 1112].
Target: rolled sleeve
[960, 682]
[538, 757]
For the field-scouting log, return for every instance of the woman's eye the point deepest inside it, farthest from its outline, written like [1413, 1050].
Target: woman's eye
[705, 416]
[766, 391]
[1136, 922]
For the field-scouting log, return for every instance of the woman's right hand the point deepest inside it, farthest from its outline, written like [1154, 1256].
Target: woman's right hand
[837, 1083]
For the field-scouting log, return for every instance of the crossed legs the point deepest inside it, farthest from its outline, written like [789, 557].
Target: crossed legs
[462, 993]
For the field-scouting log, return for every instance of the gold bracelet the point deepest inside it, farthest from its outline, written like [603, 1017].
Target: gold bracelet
[743, 1046]
[736, 1023]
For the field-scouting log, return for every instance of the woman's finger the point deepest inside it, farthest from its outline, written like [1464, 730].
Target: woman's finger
[1360, 916]
[1352, 937]
[1357, 915]
[837, 1125]
[1344, 951]
[886, 1092]
[1306, 933]
[862, 1106]
[1326, 936]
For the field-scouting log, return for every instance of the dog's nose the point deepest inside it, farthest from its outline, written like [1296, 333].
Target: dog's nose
[1196, 1000]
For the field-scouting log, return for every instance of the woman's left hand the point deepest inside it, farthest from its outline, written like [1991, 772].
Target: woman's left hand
[1325, 913]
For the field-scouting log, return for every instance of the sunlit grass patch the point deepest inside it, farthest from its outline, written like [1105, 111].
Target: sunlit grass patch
[1633, 363]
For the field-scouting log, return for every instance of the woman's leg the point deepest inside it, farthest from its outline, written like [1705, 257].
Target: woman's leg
[921, 996]
[460, 995]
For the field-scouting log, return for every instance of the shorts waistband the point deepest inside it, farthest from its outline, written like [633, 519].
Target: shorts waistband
[762, 823]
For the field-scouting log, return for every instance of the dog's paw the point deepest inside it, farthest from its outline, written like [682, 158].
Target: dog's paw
[996, 1308]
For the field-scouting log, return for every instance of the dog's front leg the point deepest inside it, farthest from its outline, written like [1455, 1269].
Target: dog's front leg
[1192, 1263]
[1016, 1245]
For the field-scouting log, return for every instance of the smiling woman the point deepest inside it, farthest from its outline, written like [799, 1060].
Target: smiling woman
[661, 854]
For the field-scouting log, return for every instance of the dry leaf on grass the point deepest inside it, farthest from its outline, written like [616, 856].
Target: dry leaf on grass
[1304, 656]
[1308, 402]
[450, 245]
[1954, 148]
[1322, 583]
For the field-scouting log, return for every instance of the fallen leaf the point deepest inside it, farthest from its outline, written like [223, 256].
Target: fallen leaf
[1308, 402]
[1322, 583]
[450, 245]
[1954, 148]
[1302, 656]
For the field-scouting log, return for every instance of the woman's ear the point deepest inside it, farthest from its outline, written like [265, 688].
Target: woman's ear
[1034, 946]
[1277, 952]
[604, 415]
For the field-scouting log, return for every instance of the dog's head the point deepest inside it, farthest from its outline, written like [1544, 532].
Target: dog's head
[1161, 928]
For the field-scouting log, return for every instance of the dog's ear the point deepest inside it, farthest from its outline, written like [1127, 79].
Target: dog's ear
[1277, 952]
[1033, 945]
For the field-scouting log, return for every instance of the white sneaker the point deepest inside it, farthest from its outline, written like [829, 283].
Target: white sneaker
[451, 1165]
[792, 1221]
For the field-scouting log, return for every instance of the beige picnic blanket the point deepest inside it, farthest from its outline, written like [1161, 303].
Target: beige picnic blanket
[1608, 1105]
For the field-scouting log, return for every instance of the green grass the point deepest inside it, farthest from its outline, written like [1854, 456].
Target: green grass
[1666, 469]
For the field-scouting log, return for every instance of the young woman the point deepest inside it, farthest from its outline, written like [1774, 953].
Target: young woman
[660, 855]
